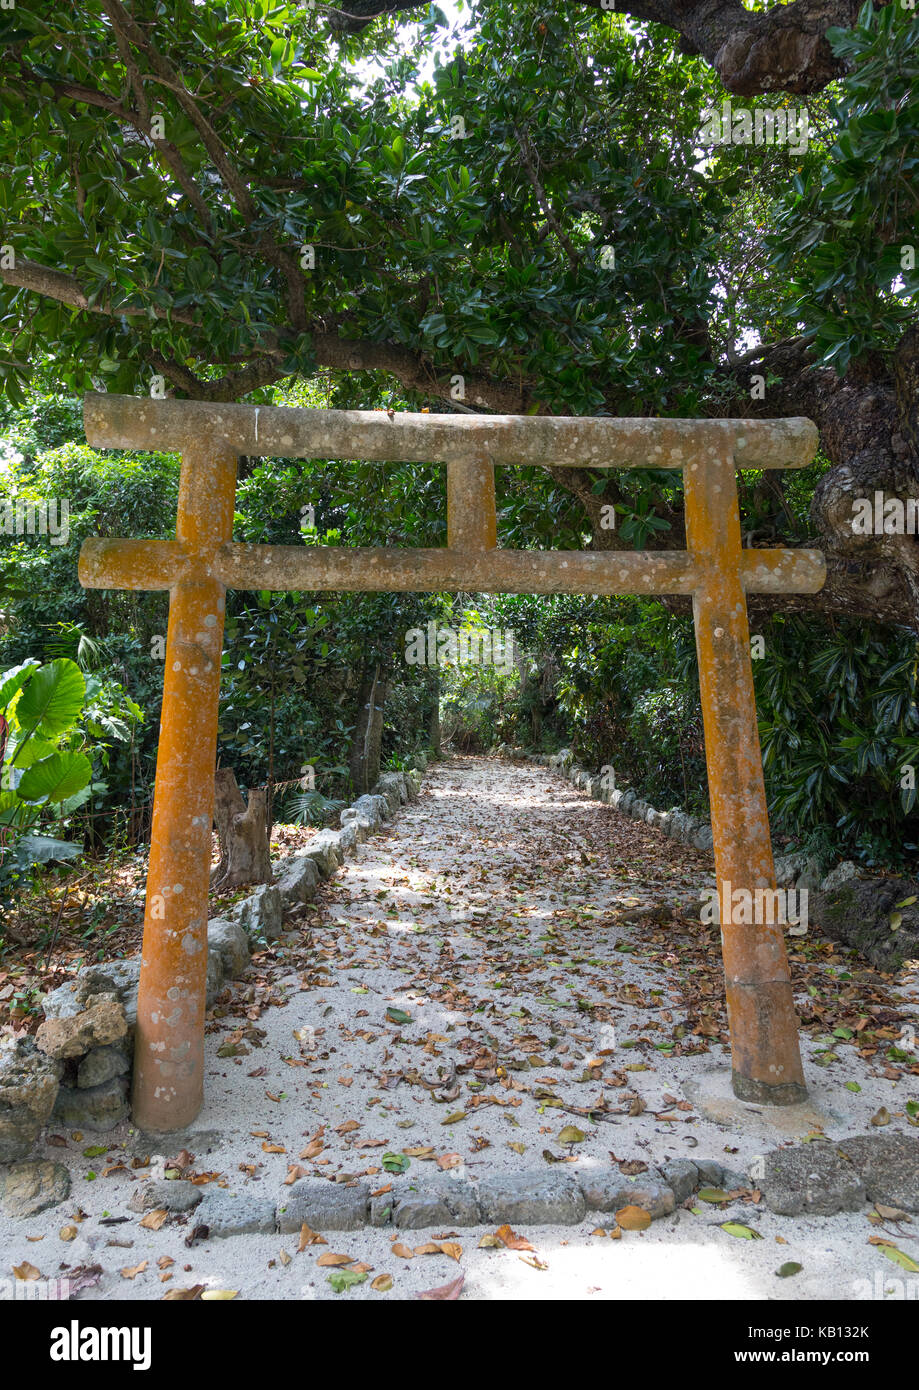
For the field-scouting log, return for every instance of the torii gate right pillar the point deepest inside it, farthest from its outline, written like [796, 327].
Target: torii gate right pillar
[761, 1014]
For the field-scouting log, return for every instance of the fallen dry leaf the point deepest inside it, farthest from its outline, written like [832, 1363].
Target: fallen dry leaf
[154, 1219]
[891, 1213]
[310, 1237]
[511, 1240]
[633, 1218]
[330, 1258]
[132, 1271]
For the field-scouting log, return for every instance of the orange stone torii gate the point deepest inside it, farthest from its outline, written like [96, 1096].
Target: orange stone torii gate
[203, 562]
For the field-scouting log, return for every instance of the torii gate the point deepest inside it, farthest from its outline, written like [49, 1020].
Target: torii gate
[203, 562]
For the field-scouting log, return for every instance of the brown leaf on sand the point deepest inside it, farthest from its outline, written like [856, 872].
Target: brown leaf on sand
[440, 1247]
[131, 1271]
[633, 1218]
[446, 1292]
[26, 1272]
[405, 1252]
[309, 1237]
[295, 1171]
[511, 1240]
[154, 1219]
[332, 1259]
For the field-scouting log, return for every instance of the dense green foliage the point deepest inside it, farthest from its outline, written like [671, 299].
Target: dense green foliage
[478, 250]
[531, 211]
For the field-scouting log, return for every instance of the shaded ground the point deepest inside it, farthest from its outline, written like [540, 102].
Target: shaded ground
[79, 916]
[547, 969]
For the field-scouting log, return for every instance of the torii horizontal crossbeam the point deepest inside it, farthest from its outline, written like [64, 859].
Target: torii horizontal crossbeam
[136, 564]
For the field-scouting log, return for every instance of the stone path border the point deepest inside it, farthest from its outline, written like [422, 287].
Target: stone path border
[816, 1179]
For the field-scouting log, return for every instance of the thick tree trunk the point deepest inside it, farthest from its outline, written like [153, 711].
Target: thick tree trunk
[869, 430]
[243, 834]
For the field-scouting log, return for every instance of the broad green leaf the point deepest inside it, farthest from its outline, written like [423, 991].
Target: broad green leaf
[39, 849]
[51, 702]
[55, 778]
[13, 679]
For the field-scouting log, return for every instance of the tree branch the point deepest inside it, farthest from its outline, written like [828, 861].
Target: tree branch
[332, 349]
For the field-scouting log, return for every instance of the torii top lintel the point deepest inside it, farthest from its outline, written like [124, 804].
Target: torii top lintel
[130, 422]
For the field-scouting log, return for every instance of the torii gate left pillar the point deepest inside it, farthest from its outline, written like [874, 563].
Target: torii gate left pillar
[198, 566]
[169, 1058]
